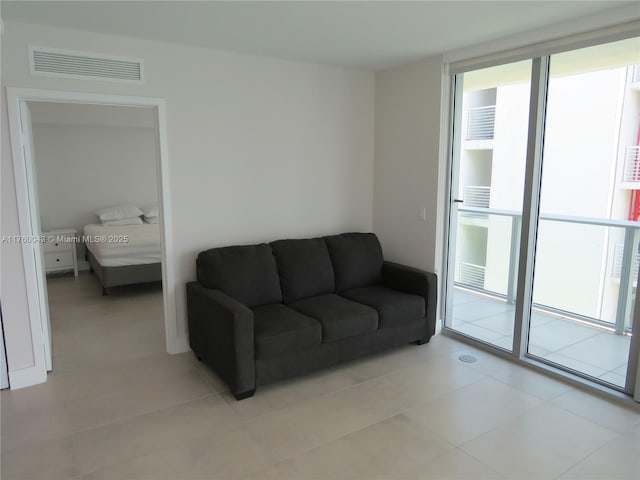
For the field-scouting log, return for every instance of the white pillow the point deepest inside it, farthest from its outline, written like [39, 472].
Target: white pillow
[152, 219]
[118, 213]
[122, 221]
[151, 211]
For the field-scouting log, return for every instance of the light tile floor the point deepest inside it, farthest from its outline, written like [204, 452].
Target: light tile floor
[117, 407]
[587, 349]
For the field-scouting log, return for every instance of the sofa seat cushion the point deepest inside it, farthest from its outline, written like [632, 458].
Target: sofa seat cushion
[340, 317]
[304, 267]
[394, 308]
[246, 273]
[357, 260]
[279, 330]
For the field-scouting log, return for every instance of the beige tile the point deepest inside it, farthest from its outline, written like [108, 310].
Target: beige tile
[283, 470]
[104, 446]
[23, 429]
[543, 443]
[384, 363]
[234, 456]
[117, 406]
[470, 411]
[533, 383]
[52, 459]
[617, 460]
[137, 398]
[17, 405]
[210, 377]
[456, 465]
[489, 364]
[292, 392]
[599, 410]
[331, 416]
[320, 420]
[431, 379]
[84, 382]
[393, 448]
[453, 465]
[441, 345]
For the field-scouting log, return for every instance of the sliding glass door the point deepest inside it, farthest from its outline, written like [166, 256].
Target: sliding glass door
[578, 161]
[492, 112]
[586, 264]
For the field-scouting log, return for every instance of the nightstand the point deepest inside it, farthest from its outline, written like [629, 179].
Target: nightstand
[60, 251]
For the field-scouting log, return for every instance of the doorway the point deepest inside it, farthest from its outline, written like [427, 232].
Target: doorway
[35, 265]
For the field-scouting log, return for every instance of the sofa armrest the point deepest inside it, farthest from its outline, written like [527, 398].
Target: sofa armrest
[221, 335]
[417, 282]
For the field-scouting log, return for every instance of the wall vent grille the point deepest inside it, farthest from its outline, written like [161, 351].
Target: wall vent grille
[69, 64]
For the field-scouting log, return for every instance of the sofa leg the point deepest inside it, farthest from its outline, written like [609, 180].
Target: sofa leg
[422, 341]
[243, 395]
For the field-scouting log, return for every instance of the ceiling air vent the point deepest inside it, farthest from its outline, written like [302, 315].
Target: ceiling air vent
[70, 64]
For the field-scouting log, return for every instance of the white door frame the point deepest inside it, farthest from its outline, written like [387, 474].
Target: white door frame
[28, 215]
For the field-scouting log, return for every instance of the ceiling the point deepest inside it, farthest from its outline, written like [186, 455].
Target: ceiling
[363, 34]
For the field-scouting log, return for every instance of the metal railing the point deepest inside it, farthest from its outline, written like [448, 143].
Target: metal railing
[477, 196]
[481, 123]
[628, 263]
[472, 274]
[616, 269]
[631, 171]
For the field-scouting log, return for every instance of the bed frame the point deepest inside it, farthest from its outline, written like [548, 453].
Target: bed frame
[124, 275]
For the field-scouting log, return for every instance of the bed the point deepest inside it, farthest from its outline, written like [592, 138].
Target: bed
[125, 254]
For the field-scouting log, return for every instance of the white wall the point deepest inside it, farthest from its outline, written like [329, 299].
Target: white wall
[407, 155]
[259, 149]
[83, 168]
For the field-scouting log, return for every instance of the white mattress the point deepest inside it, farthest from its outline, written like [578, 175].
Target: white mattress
[124, 245]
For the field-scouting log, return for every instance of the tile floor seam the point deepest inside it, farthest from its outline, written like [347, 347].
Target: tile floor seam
[497, 470]
[129, 418]
[590, 420]
[340, 389]
[239, 427]
[150, 412]
[559, 352]
[586, 456]
[493, 469]
[410, 367]
[356, 430]
[545, 399]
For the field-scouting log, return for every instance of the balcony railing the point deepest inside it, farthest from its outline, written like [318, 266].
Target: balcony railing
[477, 196]
[618, 254]
[626, 261]
[481, 122]
[472, 275]
[631, 171]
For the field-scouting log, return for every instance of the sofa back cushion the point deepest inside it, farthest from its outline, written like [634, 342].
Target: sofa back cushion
[305, 268]
[246, 273]
[356, 258]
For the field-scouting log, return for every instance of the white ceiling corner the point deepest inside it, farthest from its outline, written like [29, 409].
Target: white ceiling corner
[362, 34]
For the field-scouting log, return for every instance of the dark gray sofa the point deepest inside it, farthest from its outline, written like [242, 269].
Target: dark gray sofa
[262, 313]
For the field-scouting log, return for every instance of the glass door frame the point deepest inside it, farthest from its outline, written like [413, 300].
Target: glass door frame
[529, 226]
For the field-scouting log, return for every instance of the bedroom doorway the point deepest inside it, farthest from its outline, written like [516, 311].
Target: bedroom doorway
[58, 252]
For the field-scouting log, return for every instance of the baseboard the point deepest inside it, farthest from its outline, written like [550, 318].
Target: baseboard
[26, 377]
[181, 345]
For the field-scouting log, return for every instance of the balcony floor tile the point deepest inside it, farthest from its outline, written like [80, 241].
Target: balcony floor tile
[587, 349]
